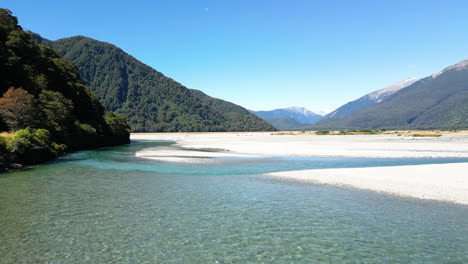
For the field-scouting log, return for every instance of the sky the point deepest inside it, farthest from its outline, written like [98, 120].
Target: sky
[271, 54]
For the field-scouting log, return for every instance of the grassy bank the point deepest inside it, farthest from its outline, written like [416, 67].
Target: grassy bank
[411, 133]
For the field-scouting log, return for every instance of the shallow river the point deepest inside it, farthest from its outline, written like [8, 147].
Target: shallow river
[107, 206]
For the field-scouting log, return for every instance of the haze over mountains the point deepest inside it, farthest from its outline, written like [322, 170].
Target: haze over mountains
[439, 101]
[151, 101]
[290, 118]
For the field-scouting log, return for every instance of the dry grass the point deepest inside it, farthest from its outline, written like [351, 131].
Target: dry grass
[407, 133]
[285, 133]
[6, 137]
[7, 134]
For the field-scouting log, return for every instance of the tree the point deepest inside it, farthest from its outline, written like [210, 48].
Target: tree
[56, 108]
[17, 108]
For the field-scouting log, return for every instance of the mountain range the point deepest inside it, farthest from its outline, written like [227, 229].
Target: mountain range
[370, 99]
[149, 100]
[439, 101]
[153, 102]
[290, 118]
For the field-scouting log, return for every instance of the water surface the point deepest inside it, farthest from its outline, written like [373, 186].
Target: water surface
[107, 206]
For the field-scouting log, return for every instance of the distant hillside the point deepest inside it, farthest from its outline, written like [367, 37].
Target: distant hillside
[235, 116]
[369, 99]
[289, 118]
[286, 123]
[45, 109]
[439, 101]
[151, 101]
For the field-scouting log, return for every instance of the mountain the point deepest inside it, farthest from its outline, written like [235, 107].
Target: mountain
[234, 116]
[45, 109]
[151, 101]
[369, 99]
[439, 101]
[289, 118]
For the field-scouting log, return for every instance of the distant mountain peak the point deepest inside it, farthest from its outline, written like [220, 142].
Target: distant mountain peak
[462, 65]
[300, 110]
[289, 118]
[371, 98]
[379, 95]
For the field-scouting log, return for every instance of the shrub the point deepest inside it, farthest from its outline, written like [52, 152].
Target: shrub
[86, 129]
[33, 146]
[3, 150]
[117, 124]
[323, 132]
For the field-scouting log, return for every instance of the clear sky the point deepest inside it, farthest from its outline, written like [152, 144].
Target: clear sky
[269, 54]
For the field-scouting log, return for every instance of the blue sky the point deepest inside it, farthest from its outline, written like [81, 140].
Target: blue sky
[269, 54]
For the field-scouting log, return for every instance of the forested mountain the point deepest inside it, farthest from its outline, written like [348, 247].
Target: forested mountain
[286, 123]
[439, 101]
[151, 101]
[234, 115]
[290, 118]
[45, 109]
[369, 99]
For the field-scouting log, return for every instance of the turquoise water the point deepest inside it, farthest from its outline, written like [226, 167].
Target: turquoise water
[107, 206]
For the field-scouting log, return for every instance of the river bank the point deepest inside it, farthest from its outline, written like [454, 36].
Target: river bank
[446, 182]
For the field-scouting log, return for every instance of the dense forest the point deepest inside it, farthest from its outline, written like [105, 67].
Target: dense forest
[45, 108]
[151, 101]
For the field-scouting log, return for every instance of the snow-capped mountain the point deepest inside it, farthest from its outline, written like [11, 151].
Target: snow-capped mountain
[381, 94]
[438, 101]
[371, 98]
[300, 114]
[462, 65]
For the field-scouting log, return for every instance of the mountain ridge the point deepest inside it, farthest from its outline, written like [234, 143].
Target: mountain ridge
[289, 118]
[370, 98]
[151, 101]
[438, 101]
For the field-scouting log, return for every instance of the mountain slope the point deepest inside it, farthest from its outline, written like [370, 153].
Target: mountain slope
[45, 106]
[234, 115]
[286, 123]
[439, 101]
[289, 118]
[150, 101]
[369, 99]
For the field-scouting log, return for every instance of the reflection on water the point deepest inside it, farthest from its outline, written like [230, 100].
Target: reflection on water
[107, 206]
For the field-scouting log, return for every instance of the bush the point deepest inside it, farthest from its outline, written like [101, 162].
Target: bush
[31, 146]
[3, 151]
[323, 132]
[117, 124]
[86, 129]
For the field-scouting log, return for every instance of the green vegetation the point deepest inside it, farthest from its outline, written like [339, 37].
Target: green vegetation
[323, 132]
[407, 133]
[151, 101]
[429, 104]
[234, 117]
[285, 123]
[45, 109]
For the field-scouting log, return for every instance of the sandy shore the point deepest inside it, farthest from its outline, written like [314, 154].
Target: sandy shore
[447, 182]
[358, 146]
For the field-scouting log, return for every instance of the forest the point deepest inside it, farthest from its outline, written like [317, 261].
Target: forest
[45, 107]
